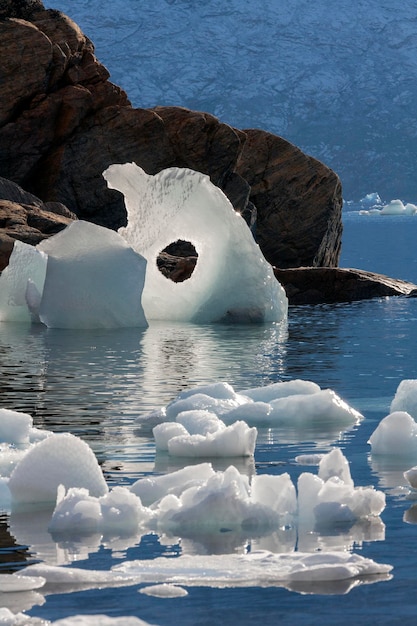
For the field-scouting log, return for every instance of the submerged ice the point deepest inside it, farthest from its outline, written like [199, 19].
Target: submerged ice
[88, 276]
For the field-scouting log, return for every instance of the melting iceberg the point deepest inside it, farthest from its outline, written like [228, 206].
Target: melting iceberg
[231, 280]
[88, 276]
[405, 398]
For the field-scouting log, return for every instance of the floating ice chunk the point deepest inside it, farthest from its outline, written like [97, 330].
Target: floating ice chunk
[281, 390]
[320, 408]
[163, 433]
[260, 568]
[297, 403]
[405, 398]
[15, 426]
[219, 390]
[335, 464]
[55, 575]
[153, 488]
[395, 207]
[94, 279]
[395, 435]
[410, 209]
[331, 497]
[119, 511]
[100, 620]
[164, 591]
[276, 492]
[17, 582]
[59, 459]
[26, 264]
[231, 280]
[411, 477]
[202, 434]
[221, 504]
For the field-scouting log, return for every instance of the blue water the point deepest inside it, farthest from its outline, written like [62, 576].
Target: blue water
[95, 384]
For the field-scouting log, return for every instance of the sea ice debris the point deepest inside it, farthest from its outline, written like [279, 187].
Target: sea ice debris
[405, 398]
[395, 435]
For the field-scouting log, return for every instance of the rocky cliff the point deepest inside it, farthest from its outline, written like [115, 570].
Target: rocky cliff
[62, 122]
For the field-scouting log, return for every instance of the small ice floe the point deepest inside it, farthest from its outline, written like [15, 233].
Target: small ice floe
[164, 591]
[72, 577]
[16, 582]
[260, 568]
[297, 403]
[394, 207]
[395, 436]
[100, 620]
[200, 433]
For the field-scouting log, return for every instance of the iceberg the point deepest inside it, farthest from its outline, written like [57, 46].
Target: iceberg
[231, 280]
[88, 276]
[93, 280]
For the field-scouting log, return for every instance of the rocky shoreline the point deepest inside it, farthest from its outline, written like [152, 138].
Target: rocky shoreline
[62, 123]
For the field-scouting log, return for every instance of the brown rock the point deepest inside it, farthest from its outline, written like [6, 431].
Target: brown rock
[324, 285]
[25, 218]
[298, 202]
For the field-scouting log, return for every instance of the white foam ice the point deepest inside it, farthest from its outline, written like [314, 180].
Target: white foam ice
[231, 280]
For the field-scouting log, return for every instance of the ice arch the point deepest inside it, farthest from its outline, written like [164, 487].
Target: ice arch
[231, 280]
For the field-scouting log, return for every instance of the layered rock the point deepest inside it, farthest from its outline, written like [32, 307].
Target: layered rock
[62, 122]
[320, 285]
[26, 218]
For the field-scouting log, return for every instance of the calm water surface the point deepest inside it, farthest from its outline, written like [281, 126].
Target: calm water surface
[96, 384]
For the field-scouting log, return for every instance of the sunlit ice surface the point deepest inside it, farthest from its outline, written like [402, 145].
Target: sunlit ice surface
[88, 276]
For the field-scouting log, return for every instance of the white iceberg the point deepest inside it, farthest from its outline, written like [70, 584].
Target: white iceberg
[231, 280]
[93, 279]
[395, 435]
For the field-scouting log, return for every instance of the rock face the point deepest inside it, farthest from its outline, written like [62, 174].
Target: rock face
[62, 123]
[26, 218]
[319, 285]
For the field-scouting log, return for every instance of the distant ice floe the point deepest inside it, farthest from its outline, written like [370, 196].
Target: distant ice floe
[88, 276]
[372, 204]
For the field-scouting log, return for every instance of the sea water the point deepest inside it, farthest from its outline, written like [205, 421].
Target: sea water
[96, 384]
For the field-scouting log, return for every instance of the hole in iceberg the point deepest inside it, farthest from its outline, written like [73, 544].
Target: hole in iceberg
[177, 261]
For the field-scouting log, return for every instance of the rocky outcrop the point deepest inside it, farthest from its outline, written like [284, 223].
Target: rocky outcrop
[62, 123]
[320, 285]
[25, 218]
